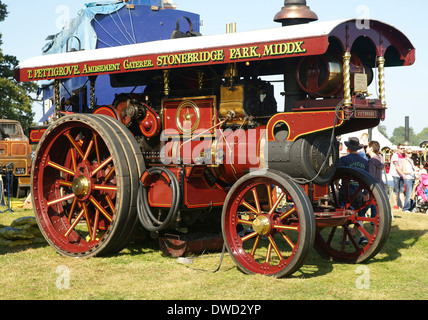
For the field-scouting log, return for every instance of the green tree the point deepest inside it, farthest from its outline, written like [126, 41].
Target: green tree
[382, 129]
[3, 11]
[399, 136]
[15, 99]
[422, 136]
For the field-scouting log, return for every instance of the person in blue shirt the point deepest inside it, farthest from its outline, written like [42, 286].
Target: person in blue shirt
[354, 160]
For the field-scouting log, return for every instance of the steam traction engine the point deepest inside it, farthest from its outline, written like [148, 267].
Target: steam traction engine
[207, 146]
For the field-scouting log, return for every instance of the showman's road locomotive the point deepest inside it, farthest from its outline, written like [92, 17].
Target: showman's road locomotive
[204, 149]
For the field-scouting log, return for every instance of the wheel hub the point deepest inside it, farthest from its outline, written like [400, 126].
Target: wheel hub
[261, 225]
[80, 186]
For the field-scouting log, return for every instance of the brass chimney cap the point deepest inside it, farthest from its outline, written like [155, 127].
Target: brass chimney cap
[295, 12]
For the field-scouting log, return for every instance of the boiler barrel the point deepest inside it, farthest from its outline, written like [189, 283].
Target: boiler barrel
[306, 158]
[234, 153]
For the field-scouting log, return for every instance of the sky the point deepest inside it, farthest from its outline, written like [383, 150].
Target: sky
[30, 22]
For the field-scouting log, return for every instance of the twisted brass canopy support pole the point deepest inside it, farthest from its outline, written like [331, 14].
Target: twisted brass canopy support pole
[57, 98]
[92, 93]
[381, 69]
[200, 80]
[166, 82]
[347, 102]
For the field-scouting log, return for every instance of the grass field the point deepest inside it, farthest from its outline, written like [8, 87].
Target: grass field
[37, 272]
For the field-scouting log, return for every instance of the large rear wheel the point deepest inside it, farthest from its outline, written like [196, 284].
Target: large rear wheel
[84, 186]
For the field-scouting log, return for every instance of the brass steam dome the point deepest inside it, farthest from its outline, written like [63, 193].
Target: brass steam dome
[295, 12]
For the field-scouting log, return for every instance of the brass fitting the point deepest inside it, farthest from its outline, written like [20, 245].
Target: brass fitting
[347, 80]
[381, 69]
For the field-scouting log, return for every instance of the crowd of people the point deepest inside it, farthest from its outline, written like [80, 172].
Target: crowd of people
[404, 169]
[405, 172]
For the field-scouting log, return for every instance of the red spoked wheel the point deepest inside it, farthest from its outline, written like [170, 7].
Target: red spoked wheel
[367, 228]
[268, 224]
[85, 183]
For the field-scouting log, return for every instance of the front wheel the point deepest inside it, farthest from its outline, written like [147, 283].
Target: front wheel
[268, 224]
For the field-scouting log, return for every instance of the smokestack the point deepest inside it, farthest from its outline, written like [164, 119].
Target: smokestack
[406, 132]
[295, 12]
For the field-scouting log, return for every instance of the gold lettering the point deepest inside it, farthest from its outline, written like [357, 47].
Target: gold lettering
[189, 58]
[101, 68]
[76, 70]
[244, 53]
[131, 65]
[299, 47]
[195, 58]
[283, 48]
[220, 55]
[268, 50]
[253, 52]
[233, 54]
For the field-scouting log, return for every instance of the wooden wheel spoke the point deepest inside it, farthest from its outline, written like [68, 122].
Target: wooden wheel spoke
[278, 201]
[97, 150]
[105, 187]
[61, 168]
[354, 196]
[74, 144]
[102, 165]
[269, 252]
[88, 222]
[75, 222]
[246, 222]
[256, 200]
[286, 214]
[88, 150]
[64, 183]
[96, 222]
[249, 236]
[73, 159]
[354, 243]
[367, 219]
[346, 234]
[287, 239]
[73, 207]
[283, 227]
[363, 230]
[331, 235]
[344, 237]
[112, 169]
[110, 203]
[249, 207]
[275, 247]
[64, 198]
[269, 192]
[254, 248]
[83, 213]
[101, 208]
